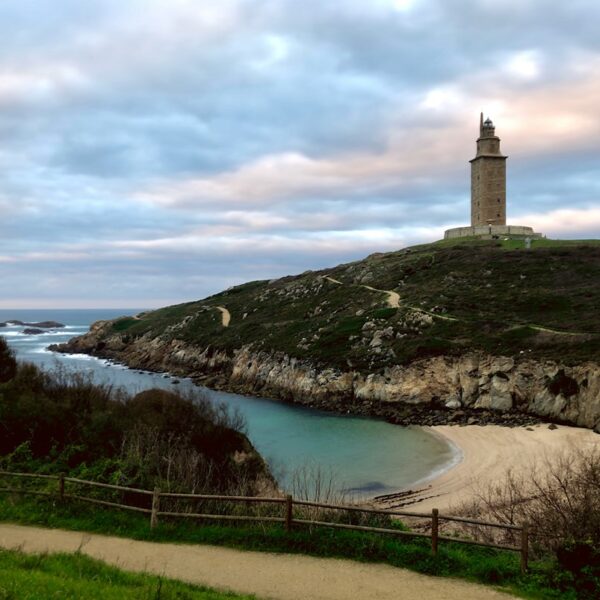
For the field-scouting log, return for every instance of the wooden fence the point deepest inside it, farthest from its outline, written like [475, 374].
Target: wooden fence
[286, 507]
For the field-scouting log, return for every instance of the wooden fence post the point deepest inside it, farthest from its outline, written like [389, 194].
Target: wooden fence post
[61, 487]
[434, 531]
[524, 548]
[288, 512]
[155, 508]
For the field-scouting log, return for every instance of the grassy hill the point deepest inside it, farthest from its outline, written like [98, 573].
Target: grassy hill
[446, 298]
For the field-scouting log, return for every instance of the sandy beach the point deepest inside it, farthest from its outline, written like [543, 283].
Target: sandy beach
[489, 451]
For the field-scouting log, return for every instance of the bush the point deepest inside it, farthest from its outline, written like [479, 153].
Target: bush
[8, 364]
[63, 422]
[560, 500]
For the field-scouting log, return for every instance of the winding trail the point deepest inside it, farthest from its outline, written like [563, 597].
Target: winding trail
[333, 280]
[226, 315]
[556, 331]
[393, 297]
[275, 576]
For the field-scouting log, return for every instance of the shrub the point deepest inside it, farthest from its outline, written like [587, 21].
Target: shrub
[62, 421]
[8, 364]
[560, 500]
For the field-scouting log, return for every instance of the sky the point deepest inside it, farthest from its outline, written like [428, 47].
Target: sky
[158, 151]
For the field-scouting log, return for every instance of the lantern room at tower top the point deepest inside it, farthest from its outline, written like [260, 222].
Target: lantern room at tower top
[488, 191]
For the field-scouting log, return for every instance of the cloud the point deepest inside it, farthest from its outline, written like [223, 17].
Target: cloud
[567, 222]
[155, 151]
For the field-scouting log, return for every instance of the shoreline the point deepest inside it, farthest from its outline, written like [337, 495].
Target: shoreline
[482, 452]
[488, 452]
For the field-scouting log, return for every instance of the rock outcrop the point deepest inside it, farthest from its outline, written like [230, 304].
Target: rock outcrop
[39, 325]
[473, 388]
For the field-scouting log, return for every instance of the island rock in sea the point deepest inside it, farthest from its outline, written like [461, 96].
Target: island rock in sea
[470, 332]
[33, 331]
[40, 325]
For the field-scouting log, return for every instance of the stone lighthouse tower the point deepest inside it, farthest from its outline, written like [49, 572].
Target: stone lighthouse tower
[488, 179]
[488, 192]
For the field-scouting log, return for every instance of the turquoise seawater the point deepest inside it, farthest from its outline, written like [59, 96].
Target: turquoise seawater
[366, 456]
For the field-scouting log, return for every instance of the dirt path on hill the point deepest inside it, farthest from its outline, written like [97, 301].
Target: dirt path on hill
[555, 331]
[333, 280]
[274, 576]
[226, 315]
[393, 299]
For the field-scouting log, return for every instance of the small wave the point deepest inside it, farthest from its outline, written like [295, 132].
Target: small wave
[55, 333]
[85, 357]
[41, 350]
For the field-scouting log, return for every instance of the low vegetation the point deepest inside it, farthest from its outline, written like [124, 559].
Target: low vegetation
[77, 577]
[455, 296]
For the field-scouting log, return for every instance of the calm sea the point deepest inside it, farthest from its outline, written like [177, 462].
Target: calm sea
[368, 457]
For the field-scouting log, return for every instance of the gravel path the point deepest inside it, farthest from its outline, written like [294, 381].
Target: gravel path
[276, 576]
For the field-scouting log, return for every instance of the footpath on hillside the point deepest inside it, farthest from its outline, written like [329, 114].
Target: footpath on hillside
[267, 575]
[226, 315]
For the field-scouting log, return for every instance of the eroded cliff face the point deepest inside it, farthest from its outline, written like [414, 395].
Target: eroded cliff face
[475, 387]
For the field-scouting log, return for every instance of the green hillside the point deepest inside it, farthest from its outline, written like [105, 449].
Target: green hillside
[447, 298]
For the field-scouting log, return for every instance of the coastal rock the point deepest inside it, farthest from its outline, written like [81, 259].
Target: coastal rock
[485, 388]
[453, 404]
[39, 325]
[46, 325]
[33, 331]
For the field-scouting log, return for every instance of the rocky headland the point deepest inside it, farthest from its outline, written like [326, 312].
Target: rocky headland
[459, 338]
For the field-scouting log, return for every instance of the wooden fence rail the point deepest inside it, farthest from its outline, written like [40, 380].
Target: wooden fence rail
[287, 518]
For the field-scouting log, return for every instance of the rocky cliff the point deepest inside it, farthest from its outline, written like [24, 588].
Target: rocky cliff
[474, 388]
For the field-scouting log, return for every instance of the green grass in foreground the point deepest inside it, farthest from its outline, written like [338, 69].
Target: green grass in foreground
[77, 577]
[472, 563]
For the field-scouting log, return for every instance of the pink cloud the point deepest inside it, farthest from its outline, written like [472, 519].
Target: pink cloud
[549, 119]
[564, 221]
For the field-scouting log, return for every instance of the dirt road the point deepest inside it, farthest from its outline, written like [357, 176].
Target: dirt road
[276, 576]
